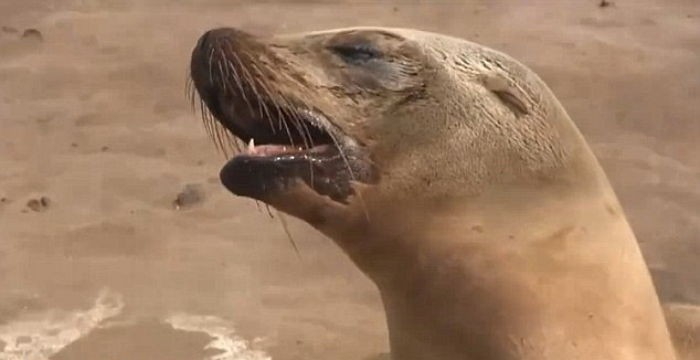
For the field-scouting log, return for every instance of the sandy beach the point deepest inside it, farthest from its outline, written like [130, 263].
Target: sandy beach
[118, 242]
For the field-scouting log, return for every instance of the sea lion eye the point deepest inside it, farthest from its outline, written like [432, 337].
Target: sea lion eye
[356, 53]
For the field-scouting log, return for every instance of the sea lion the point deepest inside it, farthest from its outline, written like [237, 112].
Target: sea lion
[451, 175]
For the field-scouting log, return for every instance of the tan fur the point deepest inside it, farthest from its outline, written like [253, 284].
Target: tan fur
[493, 233]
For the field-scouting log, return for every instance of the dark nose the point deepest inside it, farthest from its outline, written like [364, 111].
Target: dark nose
[208, 38]
[202, 52]
[231, 34]
[203, 40]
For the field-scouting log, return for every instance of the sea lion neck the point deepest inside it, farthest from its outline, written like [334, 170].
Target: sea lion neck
[565, 264]
[384, 235]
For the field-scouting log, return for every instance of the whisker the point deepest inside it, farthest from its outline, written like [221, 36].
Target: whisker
[285, 226]
[290, 111]
[236, 77]
[352, 174]
[283, 119]
[304, 134]
[250, 80]
[303, 130]
[205, 120]
[239, 144]
[296, 121]
[311, 167]
[211, 56]
[221, 72]
[212, 126]
[188, 85]
[269, 96]
[223, 69]
[221, 136]
[192, 98]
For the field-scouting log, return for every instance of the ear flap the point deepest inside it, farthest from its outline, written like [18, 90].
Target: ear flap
[498, 85]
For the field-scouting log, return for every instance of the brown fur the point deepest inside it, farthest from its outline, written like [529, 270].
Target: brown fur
[493, 232]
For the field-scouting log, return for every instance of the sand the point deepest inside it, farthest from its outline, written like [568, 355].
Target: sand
[102, 255]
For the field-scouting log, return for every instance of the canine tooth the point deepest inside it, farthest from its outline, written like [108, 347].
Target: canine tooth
[251, 144]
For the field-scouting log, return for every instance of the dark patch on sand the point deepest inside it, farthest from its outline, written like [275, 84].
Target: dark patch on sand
[145, 340]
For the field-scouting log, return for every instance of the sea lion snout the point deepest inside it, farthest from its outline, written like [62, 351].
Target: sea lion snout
[264, 92]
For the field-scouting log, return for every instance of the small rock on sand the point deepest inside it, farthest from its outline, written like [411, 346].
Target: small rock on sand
[39, 204]
[33, 35]
[191, 195]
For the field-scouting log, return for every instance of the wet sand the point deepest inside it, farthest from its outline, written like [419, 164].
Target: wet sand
[98, 140]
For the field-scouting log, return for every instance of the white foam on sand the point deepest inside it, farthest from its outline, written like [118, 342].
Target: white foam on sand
[231, 346]
[38, 336]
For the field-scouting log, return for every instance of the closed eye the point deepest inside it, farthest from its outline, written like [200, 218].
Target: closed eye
[356, 53]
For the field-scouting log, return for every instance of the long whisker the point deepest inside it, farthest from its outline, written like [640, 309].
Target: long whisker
[296, 120]
[269, 96]
[221, 134]
[352, 174]
[221, 75]
[298, 127]
[248, 78]
[205, 119]
[192, 97]
[290, 113]
[211, 57]
[223, 68]
[236, 77]
[307, 134]
[285, 226]
[188, 86]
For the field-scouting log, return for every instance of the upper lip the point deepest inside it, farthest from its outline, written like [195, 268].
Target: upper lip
[268, 122]
[288, 126]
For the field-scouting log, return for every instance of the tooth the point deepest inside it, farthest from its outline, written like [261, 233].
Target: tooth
[251, 144]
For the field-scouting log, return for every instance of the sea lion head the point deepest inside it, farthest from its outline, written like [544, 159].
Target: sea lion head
[350, 124]
[450, 174]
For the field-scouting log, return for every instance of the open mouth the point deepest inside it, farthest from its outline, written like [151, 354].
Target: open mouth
[287, 134]
[287, 141]
[282, 151]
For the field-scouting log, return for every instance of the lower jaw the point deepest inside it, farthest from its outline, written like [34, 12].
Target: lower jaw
[257, 176]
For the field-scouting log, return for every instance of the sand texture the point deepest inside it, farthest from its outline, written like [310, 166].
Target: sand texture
[118, 242]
